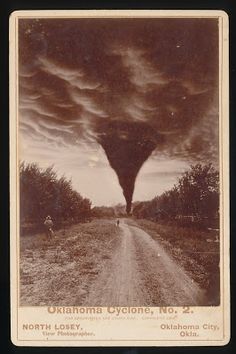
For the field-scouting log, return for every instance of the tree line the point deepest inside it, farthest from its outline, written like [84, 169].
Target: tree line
[43, 193]
[195, 196]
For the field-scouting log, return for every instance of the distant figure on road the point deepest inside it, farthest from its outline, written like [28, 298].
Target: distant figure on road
[48, 223]
[118, 222]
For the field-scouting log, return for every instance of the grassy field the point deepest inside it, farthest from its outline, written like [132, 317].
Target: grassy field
[196, 251]
[58, 271]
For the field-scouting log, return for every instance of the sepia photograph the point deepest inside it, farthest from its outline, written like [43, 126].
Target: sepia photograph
[119, 178]
[118, 161]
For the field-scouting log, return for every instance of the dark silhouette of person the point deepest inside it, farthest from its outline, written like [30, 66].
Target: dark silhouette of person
[118, 222]
[48, 224]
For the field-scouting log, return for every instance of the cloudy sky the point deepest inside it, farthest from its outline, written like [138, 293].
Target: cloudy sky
[85, 83]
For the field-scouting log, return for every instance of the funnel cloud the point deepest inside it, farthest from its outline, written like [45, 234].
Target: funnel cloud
[127, 147]
[139, 88]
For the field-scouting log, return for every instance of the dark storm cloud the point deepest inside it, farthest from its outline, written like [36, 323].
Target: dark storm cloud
[105, 80]
[77, 73]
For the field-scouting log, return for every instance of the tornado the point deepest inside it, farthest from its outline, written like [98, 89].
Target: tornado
[109, 82]
[127, 146]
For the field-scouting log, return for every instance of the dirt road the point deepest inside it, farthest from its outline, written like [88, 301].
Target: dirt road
[141, 273]
[101, 264]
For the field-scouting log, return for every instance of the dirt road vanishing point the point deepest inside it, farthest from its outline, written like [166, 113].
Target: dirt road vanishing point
[141, 273]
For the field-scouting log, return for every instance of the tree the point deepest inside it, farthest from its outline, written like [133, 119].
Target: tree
[195, 194]
[199, 191]
[43, 193]
[103, 211]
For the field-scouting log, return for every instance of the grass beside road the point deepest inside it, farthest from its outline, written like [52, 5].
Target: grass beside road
[195, 250]
[59, 271]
